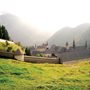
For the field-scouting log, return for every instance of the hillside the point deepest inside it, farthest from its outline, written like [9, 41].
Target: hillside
[80, 34]
[9, 46]
[16, 75]
[20, 31]
[28, 35]
[86, 37]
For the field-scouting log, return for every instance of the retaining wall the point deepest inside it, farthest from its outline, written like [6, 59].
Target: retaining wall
[34, 59]
[6, 54]
[74, 55]
[31, 59]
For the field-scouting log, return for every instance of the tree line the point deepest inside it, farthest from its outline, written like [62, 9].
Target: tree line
[4, 33]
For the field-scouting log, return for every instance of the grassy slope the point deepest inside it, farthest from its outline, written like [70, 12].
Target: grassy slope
[4, 47]
[16, 75]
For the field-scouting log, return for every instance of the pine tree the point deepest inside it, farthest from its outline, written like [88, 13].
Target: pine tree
[0, 32]
[3, 33]
[27, 51]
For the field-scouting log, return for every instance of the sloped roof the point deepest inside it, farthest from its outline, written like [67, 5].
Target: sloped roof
[19, 52]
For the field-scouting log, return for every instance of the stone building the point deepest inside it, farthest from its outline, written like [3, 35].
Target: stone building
[19, 55]
[38, 49]
[73, 53]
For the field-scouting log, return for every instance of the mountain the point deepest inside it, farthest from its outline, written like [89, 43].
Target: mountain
[86, 37]
[80, 34]
[19, 31]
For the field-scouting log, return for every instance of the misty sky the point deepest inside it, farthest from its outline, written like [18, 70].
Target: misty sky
[49, 15]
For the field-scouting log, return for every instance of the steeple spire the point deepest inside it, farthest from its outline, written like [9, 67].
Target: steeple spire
[74, 44]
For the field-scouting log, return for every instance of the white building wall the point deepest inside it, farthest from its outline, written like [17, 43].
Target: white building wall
[19, 57]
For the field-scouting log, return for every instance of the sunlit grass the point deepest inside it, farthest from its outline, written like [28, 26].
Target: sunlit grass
[16, 75]
[12, 45]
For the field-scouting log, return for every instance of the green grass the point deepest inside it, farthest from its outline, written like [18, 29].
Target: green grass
[16, 75]
[13, 46]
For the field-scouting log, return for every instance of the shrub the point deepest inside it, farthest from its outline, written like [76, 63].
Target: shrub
[40, 55]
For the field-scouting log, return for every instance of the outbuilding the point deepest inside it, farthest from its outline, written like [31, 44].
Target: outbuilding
[19, 55]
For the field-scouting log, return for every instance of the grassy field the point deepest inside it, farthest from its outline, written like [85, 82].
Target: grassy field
[17, 75]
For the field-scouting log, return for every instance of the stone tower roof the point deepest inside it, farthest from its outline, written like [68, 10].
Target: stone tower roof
[19, 52]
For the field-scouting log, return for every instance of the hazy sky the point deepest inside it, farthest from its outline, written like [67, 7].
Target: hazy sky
[49, 15]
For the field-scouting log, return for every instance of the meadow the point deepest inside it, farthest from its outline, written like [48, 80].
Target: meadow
[17, 75]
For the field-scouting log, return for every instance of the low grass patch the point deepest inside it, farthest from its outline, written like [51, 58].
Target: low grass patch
[16, 75]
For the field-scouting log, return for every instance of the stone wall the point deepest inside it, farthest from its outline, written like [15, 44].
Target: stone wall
[19, 57]
[31, 59]
[74, 55]
[6, 54]
[10, 55]
[34, 59]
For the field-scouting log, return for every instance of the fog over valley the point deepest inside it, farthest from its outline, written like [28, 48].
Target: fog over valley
[28, 35]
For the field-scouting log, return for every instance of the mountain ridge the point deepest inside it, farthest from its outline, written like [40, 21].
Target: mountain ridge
[21, 32]
[69, 34]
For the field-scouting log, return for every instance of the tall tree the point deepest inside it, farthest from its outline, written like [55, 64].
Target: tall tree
[5, 34]
[27, 51]
[0, 32]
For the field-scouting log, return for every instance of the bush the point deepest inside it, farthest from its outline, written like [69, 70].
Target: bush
[40, 55]
[9, 49]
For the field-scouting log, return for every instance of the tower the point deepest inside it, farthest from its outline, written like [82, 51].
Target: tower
[74, 44]
[67, 45]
